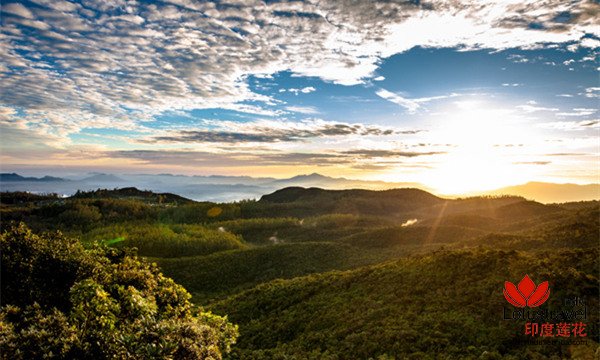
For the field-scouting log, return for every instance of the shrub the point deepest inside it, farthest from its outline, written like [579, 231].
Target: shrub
[62, 301]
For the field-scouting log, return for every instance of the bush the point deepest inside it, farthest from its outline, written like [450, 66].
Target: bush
[62, 301]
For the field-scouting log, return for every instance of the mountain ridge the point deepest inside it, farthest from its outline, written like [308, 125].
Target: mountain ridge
[225, 188]
[18, 178]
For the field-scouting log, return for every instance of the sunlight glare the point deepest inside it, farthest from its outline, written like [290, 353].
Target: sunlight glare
[483, 140]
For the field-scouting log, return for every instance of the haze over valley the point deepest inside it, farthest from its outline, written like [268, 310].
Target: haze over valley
[236, 188]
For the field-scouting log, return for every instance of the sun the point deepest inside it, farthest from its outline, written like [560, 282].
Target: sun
[484, 143]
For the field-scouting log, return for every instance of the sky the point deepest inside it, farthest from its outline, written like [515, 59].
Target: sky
[457, 95]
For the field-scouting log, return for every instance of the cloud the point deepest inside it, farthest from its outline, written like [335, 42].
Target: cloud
[410, 132]
[412, 105]
[408, 104]
[295, 91]
[227, 159]
[530, 108]
[268, 132]
[366, 159]
[132, 60]
[517, 58]
[17, 9]
[592, 92]
[379, 78]
[589, 42]
[532, 162]
[365, 153]
[176, 54]
[567, 154]
[303, 109]
[578, 112]
[571, 125]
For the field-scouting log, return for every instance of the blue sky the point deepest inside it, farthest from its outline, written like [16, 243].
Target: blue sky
[455, 96]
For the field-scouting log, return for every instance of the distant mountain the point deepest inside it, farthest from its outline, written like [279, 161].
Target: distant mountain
[221, 188]
[552, 193]
[103, 178]
[198, 187]
[13, 177]
[326, 182]
[308, 178]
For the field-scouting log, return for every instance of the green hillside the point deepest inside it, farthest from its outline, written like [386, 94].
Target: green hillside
[446, 304]
[350, 274]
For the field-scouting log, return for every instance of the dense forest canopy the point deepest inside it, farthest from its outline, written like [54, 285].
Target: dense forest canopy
[391, 274]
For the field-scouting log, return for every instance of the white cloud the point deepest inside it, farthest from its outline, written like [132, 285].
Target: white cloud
[302, 109]
[530, 108]
[578, 112]
[408, 104]
[592, 92]
[571, 125]
[412, 105]
[590, 43]
[17, 9]
[379, 78]
[296, 91]
[148, 58]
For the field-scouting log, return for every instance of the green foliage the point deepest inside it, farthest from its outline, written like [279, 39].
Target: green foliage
[60, 300]
[274, 266]
[162, 240]
[412, 235]
[269, 231]
[80, 215]
[200, 213]
[22, 197]
[132, 193]
[447, 304]
[224, 273]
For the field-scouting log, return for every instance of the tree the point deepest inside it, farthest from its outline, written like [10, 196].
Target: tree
[63, 301]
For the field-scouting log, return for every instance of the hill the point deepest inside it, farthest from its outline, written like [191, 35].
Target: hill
[133, 194]
[310, 273]
[443, 305]
[298, 201]
[552, 193]
[299, 194]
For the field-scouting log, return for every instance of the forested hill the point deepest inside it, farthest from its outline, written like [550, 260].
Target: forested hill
[406, 203]
[133, 194]
[299, 194]
[306, 273]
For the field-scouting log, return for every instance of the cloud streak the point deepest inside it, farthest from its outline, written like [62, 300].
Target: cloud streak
[411, 105]
[359, 159]
[269, 132]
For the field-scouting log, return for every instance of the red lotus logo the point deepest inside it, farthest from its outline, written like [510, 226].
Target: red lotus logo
[526, 293]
